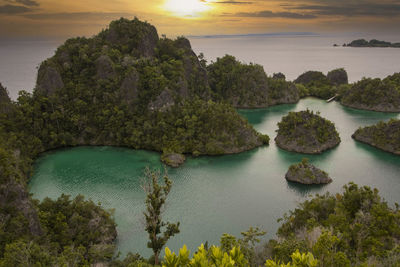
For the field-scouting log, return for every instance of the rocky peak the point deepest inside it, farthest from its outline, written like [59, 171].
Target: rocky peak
[338, 77]
[48, 80]
[4, 98]
[132, 36]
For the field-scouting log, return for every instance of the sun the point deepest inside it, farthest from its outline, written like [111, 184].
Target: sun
[186, 8]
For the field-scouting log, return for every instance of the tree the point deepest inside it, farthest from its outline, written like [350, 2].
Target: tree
[156, 195]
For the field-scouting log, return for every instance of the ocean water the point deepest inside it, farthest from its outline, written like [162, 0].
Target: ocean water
[225, 194]
[290, 54]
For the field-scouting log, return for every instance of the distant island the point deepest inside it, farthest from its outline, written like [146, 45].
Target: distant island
[385, 136]
[371, 43]
[306, 132]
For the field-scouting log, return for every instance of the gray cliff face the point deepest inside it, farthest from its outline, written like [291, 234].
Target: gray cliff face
[104, 68]
[49, 80]
[129, 87]
[163, 102]
[5, 100]
[307, 174]
[338, 77]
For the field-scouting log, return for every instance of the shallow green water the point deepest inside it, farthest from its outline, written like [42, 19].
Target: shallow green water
[214, 195]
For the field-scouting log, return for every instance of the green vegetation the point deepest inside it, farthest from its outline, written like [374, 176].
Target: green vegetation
[122, 87]
[374, 94]
[385, 136]
[306, 132]
[247, 86]
[156, 196]
[355, 228]
[306, 173]
[316, 84]
[372, 43]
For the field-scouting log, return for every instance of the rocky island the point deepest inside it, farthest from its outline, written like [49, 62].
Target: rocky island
[371, 43]
[385, 136]
[306, 132]
[374, 94]
[317, 84]
[128, 87]
[247, 85]
[306, 173]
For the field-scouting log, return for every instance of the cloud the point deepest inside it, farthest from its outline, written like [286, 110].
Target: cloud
[13, 10]
[350, 9]
[24, 2]
[78, 16]
[270, 14]
[232, 2]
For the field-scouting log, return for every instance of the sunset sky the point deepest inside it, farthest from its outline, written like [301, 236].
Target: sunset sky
[50, 18]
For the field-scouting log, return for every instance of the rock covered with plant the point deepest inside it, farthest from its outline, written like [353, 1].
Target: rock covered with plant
[306, 173]
[306, 132]
[317, 84]
[384, 135]
[128, 87]
[247, 85]
[374, 94]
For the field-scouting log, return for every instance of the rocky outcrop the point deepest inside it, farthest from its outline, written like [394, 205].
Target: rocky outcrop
[164, 101]
[306, 132]
[374, 94]
[49, 79]
[132, 36]
[279, 75]
[385, 136]
[247, 85]
[173, 159]
[129, 87]
[306, 173]
[338, 77]
[310, 76]
[104, 67]
[5, 100]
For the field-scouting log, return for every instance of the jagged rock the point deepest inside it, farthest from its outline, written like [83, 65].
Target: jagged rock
[163, 101]
[279, 75]
[49, 80]
[139, 37]
[310, 76]
[374, 94]
[128, 61]
[306, 132]
[4, 99]
[173, 159]
[338, 77]
[129, 87]
[385, 136]
[305, 173]
[104, 67]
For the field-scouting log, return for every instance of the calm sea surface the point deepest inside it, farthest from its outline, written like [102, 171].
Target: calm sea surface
[291, 55]
[216, 195]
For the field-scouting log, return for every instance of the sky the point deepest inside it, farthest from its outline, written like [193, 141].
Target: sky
[61, 19]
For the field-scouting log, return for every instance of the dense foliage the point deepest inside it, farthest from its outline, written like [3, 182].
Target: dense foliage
[383, 135]
[316, 84]
[306, 132]
[351, 228]
[123, 87]
[247, 85]
[374, 94]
